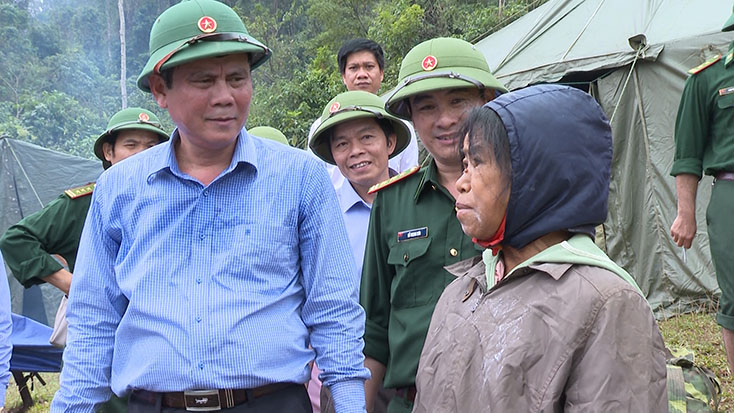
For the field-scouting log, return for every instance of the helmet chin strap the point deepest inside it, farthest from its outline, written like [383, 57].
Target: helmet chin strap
[494, 242]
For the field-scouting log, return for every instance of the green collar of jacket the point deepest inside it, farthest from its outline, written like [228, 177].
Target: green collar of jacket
[579, 249]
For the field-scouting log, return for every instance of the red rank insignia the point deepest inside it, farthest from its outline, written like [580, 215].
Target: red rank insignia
[207, 24]
[429, 63]
[334, 107]
[144, 117]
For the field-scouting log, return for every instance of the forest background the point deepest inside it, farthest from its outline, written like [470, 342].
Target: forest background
[61, 61]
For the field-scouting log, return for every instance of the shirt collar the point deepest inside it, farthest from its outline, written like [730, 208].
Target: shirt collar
[429, 179]
[348, 197]
[244, 152]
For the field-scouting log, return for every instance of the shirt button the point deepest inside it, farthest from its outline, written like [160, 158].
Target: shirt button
[198, 319]
[453, 252]
[201, 236]
[201, 366]
[405, 257]
[433, 187]
[206, 193]
[198, 280]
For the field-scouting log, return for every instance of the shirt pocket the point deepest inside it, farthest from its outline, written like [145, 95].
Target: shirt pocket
[725, 101]
[415, 281]
[261, 256]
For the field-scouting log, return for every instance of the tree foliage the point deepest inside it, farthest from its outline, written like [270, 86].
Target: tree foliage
[60, 60]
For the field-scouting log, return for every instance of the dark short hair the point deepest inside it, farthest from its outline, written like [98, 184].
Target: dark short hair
[488, 141]
[358, 45]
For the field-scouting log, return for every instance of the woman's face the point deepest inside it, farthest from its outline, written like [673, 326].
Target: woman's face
[483, 195]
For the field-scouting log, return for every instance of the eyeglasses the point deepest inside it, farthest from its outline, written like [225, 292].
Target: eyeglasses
[209, 37]
[377, 114]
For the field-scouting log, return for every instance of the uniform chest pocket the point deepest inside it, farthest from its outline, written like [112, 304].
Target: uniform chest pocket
[418, 279]
[726, 101]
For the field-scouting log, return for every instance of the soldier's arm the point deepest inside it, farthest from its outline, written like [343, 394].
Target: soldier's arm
[684, 227]
[372, 386]
[27, 246]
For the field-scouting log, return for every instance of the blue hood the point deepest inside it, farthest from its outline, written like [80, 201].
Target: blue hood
[561, 151]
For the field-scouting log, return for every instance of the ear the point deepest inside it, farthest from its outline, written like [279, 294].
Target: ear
[159, 89]
[108, 150]
[344, 79]
[382, 75]
[391, 143]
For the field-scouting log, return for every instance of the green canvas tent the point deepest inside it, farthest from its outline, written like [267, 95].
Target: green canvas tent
[633, 57]
[30, 177]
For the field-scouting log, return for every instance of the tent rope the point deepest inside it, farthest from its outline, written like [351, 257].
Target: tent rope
[12, 151]
[640, 48]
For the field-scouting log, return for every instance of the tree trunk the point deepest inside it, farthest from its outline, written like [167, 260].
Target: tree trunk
[123, 61]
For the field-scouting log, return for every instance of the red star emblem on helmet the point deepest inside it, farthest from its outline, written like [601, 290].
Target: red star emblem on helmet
[207, 24]
[144, 117]
[334, 107]
[429, 63]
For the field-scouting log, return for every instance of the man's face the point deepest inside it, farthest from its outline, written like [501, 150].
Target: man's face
[437, 116]
[209, 100]
[128, 143]
[362, 72]
[361, 150]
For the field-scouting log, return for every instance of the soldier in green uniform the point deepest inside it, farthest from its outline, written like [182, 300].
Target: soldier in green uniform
[413, 230]
[28, 246]
[704, 142]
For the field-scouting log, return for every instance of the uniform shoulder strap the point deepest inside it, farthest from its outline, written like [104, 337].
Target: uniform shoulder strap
[396, 178]
[700, 68]
[80, 191]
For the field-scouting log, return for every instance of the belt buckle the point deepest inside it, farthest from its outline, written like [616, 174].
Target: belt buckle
[202, 400]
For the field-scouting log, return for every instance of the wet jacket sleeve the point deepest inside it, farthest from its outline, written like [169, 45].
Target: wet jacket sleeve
[621, 365]
[27, 246]
[375, 290]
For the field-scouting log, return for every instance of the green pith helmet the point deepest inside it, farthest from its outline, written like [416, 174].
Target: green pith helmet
[354, 105]
[197, 29]
[441, 63]
[130, 118]
[729, 25]
[269, 132]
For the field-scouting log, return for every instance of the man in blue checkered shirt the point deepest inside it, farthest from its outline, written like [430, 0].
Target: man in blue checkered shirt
[215, 267]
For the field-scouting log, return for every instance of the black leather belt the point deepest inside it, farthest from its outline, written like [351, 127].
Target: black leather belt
[724, 176]
[207, 400]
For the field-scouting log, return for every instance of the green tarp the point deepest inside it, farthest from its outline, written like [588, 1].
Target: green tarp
[30, 177]
[633, 57]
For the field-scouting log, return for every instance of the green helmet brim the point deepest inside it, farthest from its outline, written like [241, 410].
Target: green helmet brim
[321, 145]
[99, 153]
[441, 79]
[258, 52]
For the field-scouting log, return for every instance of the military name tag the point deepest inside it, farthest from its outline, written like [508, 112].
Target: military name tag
[726, 91]
[410, 234]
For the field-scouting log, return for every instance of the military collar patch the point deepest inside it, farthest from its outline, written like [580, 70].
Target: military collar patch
[729, 58]
[144, 117]
[334, 107]
[726, 91]
[429, 63]
[410, 234]
[206, 24]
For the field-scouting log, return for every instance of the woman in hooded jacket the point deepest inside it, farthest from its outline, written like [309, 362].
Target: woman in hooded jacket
[544, 321]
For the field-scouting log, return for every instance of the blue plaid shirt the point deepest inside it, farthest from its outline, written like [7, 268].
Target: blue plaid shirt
[182, 286]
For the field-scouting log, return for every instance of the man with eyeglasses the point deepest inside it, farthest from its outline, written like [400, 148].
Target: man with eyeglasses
[28, 246]
[210, 274]
[413, 230]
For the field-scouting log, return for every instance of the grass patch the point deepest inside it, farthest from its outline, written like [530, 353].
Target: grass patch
[697, 332]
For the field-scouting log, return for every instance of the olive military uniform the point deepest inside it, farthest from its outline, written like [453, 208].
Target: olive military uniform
[413, 234]
[704, 141]
[56, 229]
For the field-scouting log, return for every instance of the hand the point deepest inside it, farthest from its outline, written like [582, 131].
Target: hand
[683, 230]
